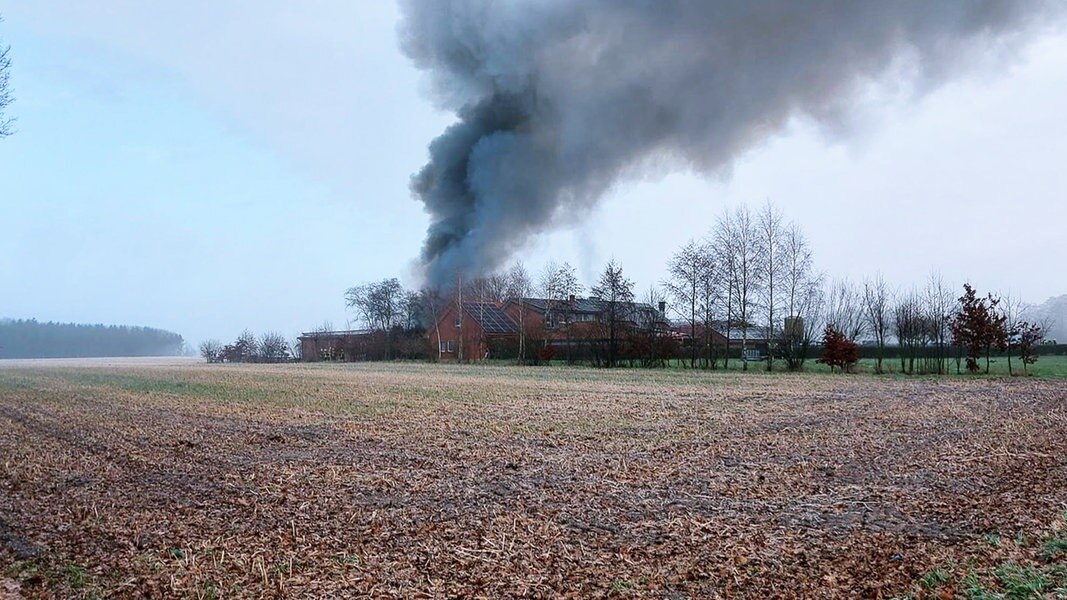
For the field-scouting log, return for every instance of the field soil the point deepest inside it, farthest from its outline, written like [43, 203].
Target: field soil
[179, 480]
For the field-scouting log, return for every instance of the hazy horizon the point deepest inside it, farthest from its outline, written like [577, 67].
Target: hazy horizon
[207, 169]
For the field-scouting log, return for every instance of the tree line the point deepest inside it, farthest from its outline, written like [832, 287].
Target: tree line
[31, 339]
[271, 347]
[751, 283]
[757, 268]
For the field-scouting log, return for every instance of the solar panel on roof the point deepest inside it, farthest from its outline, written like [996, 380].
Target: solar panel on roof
[491, 318]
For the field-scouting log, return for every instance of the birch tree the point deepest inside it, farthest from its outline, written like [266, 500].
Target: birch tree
[519, 287]
[770, 242]
[688, 274]
[736, 240]
[801, 294]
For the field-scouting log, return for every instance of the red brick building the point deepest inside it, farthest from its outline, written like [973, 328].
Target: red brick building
[469, 335]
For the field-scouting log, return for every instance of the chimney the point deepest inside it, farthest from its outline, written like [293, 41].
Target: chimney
[662, 308]
[571, 300]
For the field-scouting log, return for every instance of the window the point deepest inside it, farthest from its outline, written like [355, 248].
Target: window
[447, 346]
[457, 323]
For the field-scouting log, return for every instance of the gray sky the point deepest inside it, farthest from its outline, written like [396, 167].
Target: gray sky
[208, 169]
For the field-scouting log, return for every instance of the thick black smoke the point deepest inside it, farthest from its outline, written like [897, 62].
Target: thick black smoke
[558, 99]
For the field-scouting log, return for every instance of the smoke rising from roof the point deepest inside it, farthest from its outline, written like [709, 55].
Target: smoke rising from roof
[557, 100]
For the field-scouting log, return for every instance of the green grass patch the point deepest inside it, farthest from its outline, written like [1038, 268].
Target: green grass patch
[1054, 548]
[1021, 581]
[934, 578]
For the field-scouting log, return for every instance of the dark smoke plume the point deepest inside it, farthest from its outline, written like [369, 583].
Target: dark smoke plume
[559, 99]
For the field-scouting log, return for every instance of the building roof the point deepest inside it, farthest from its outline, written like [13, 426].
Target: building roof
[490, 317]
[736, 331]
[334, 334]
[581, 305]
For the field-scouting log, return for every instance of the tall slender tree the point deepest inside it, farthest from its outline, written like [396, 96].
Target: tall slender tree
[736, 238]
[939, 309]
[770, 245]
[615, 293]
[688, 274]
[802, 295]
[519, 287]
[877, 312]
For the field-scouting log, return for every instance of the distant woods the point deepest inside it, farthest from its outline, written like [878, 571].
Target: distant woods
[30, 339]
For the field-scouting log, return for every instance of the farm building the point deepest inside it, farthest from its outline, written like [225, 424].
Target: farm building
[362, 344]
[579, 317]
[754, 338]
[331, 345]
[468, 335]
[559, 323]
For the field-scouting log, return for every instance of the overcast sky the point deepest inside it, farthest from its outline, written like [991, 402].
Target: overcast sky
[207, 169]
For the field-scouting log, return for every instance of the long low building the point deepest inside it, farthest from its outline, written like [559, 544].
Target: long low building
[331, 345]
[470, 334]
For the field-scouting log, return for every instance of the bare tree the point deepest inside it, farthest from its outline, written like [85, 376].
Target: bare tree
[736, 240]
[6, 97]
[940, 303]
[710, 294]
[770, 246]
[519, 286]
[723, 274]
[652, 335]
[616, 295]
[273, 347]
[844, 309]
[432, 302]
[1012, 307]
[414, 316]
[877, 313]
[379, 305]
[802, 297]
[491, 288]
[211, 350]
[559, 284]
[244, 349]
[908, 328]
[688, 285]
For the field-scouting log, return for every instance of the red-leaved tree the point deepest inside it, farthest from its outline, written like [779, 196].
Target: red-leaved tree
[1025, 337]
[837, 350]
[978, 327]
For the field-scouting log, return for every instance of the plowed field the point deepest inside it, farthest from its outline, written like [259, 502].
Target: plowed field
[403, 480]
